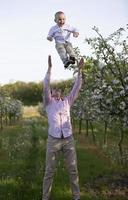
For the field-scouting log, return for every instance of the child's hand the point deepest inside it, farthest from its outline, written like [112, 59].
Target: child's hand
[49, 38]
[75, 34]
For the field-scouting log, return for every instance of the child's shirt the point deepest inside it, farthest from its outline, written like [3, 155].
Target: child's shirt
[61, 34]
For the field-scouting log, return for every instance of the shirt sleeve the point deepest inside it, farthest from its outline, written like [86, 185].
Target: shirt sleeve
[51, 32]
[75, 90]
[47, 92]
[73, 29]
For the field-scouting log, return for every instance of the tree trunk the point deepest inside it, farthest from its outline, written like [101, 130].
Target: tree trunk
[73, 123]
[10, 120]
[86, 127]
[6, 119]
[93, 134]
[1, 123]
[120, 144]
[105, 134]
[80, 125]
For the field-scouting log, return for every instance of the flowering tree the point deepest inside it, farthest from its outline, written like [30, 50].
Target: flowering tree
[112, 92]
[9, 109]
[104, 94]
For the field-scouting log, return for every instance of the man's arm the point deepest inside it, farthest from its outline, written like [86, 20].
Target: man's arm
[47, 92]
[77, 85]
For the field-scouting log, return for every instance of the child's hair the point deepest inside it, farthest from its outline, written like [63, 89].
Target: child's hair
[58, 13]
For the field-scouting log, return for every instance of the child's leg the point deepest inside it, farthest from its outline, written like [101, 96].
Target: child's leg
[69, 49]
[62, 52]
[71, 52]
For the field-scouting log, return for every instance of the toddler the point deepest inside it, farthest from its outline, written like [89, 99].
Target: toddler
[61, 33]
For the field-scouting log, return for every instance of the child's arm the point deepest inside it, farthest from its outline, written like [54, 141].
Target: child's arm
[73, 30]
[75, 34]
[49, 38]
[50, 35]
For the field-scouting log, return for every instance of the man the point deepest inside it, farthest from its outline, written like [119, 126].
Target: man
[60, 136]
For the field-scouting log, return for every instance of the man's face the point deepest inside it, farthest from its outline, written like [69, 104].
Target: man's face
[56, 93]
[60, 19]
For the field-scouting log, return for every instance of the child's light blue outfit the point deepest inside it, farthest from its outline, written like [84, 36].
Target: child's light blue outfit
[62, 40]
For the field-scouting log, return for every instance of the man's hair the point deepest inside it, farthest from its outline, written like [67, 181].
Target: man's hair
[55, 88]
[58, 13]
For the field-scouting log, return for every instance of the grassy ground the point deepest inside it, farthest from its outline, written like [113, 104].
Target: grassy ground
[22, 161]
[30, 111]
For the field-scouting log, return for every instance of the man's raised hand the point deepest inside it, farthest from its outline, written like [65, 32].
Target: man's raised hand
[81, 64]
[49, 63]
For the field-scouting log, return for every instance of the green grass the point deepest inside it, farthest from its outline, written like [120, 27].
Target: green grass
[22, 161]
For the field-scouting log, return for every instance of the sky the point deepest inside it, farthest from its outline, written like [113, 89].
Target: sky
[24, 25]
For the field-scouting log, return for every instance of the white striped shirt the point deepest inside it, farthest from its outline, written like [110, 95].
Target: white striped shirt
[61, 34]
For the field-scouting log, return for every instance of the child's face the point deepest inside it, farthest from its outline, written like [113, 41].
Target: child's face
[60, 19]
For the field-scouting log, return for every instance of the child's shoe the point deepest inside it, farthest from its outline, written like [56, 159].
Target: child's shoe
[67, 63]
[72, 60]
